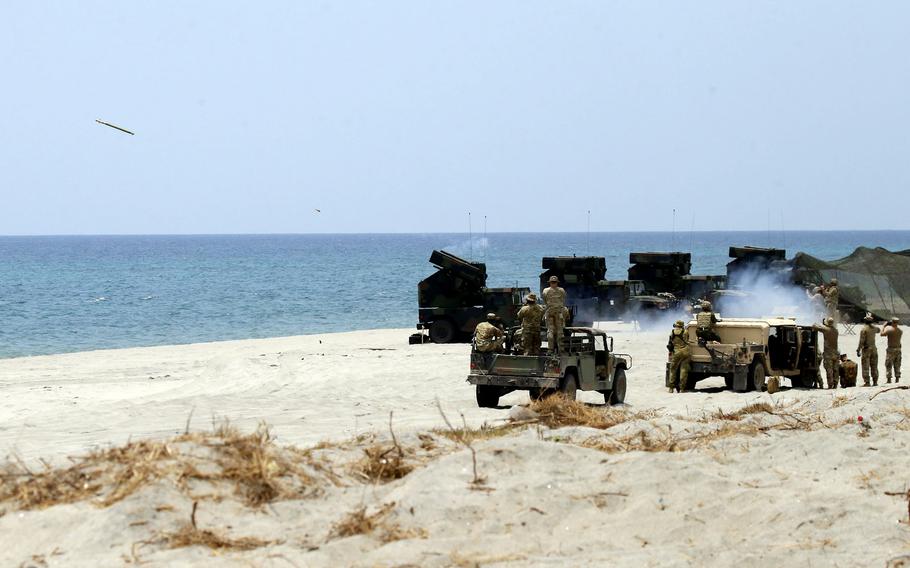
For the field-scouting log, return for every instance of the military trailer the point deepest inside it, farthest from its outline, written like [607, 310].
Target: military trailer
[455, 299]
[660, 271]
[751, 350]
[588, 364]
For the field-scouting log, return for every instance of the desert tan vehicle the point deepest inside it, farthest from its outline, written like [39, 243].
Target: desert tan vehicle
[750, 350]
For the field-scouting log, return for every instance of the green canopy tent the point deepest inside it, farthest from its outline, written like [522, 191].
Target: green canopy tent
[869, 280]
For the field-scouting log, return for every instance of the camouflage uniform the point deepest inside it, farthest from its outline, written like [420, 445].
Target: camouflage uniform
[705, 321]
[487, 337]
[893, 352]
[680, 359]
[530, 317]
[555, 300]
[848, 371]
[869, 353]
[832, 297]
[831, 354]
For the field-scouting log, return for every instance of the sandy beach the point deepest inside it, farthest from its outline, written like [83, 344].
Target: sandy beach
[711, 477]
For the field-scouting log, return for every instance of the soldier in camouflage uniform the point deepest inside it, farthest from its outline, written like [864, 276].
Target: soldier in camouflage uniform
[705, 321]
[555, 299]
[868, 351]
[847, 372]
[488, 337]
[530, 316]
[832, 297]
[680, 357]
[831, 353]
[893, 351]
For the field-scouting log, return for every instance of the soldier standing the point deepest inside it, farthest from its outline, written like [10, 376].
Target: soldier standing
[893, 351]
[555, 299]
[487, 336]
[680, 357]
[831, 354]
[832, 297]
[868, 351]
[705, 321]
[530, 316]
[847, 372]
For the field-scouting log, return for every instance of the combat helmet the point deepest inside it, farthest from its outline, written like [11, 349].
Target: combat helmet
[532, 298]
[868, 318]
[679, 323]
[895, 319]
[554, 279]
[834, 281]
[491, 316]
[705, 305]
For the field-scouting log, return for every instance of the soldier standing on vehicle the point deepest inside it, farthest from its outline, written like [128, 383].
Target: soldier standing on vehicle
[893, 351]
[705, 321]
[530, 316]
[831, 353]
[680, 357]
[832, 297]
[488, 337]
[847, 372]
[868, 351]
[555, 299]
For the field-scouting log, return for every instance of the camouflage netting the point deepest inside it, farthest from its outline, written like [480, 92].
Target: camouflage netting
[875, 280]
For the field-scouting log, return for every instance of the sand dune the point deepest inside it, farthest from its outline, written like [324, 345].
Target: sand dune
[674, 480]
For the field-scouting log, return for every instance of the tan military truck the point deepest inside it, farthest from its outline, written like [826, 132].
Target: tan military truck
[750, 350]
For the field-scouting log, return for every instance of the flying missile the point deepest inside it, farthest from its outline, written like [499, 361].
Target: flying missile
[115, 126]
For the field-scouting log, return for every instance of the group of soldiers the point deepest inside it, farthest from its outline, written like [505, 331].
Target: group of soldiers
[839, 369]
[681, 355]
[489, 335]
[827, 295]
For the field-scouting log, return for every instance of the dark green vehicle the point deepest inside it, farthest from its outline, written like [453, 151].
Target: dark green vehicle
[588, 364]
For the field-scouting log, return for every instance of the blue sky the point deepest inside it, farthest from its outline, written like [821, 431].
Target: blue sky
[403, 116]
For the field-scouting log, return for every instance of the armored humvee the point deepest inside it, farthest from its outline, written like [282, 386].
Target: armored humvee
[455, 299]
[588, 363]
[751, 350]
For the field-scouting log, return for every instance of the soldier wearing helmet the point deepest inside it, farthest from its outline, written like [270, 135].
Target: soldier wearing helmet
[705, 321]
[530, 316]
[868, 351]
[893, 349]
[680, 358]
[847, 370]
[830, 355]
[555, 299]
[488, 337]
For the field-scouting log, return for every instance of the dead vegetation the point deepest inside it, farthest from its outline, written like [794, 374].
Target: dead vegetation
[255, 468]
[558, 412]
[375, 524]
[754, 408]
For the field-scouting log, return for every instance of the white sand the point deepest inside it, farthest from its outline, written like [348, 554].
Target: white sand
[784, 497]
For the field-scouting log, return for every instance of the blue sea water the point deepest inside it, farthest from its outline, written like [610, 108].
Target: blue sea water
[63, 294]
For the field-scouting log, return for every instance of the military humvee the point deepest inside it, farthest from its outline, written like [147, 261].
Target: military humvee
[751, 350]
[588, 363]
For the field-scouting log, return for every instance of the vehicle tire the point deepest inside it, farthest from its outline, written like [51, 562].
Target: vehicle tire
[568, 386]
[487, 396]
[442, 331]
[728, 380]
[618, 394]
[535, 393]
[757, 376]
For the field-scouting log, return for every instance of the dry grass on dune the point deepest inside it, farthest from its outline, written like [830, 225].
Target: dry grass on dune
[377, 524]
[557, 411]
[252, 465]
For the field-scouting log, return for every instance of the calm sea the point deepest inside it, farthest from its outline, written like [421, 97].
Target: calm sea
[61, 294]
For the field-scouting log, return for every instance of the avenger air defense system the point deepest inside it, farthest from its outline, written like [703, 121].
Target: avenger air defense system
[455, 299]
[661, 272]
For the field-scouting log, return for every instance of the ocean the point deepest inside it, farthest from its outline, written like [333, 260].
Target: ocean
[75, 293]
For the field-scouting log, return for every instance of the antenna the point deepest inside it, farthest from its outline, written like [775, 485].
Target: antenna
[588, 239]
[769, 227]
[470, 238]
[783, 232]
[692, 232]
